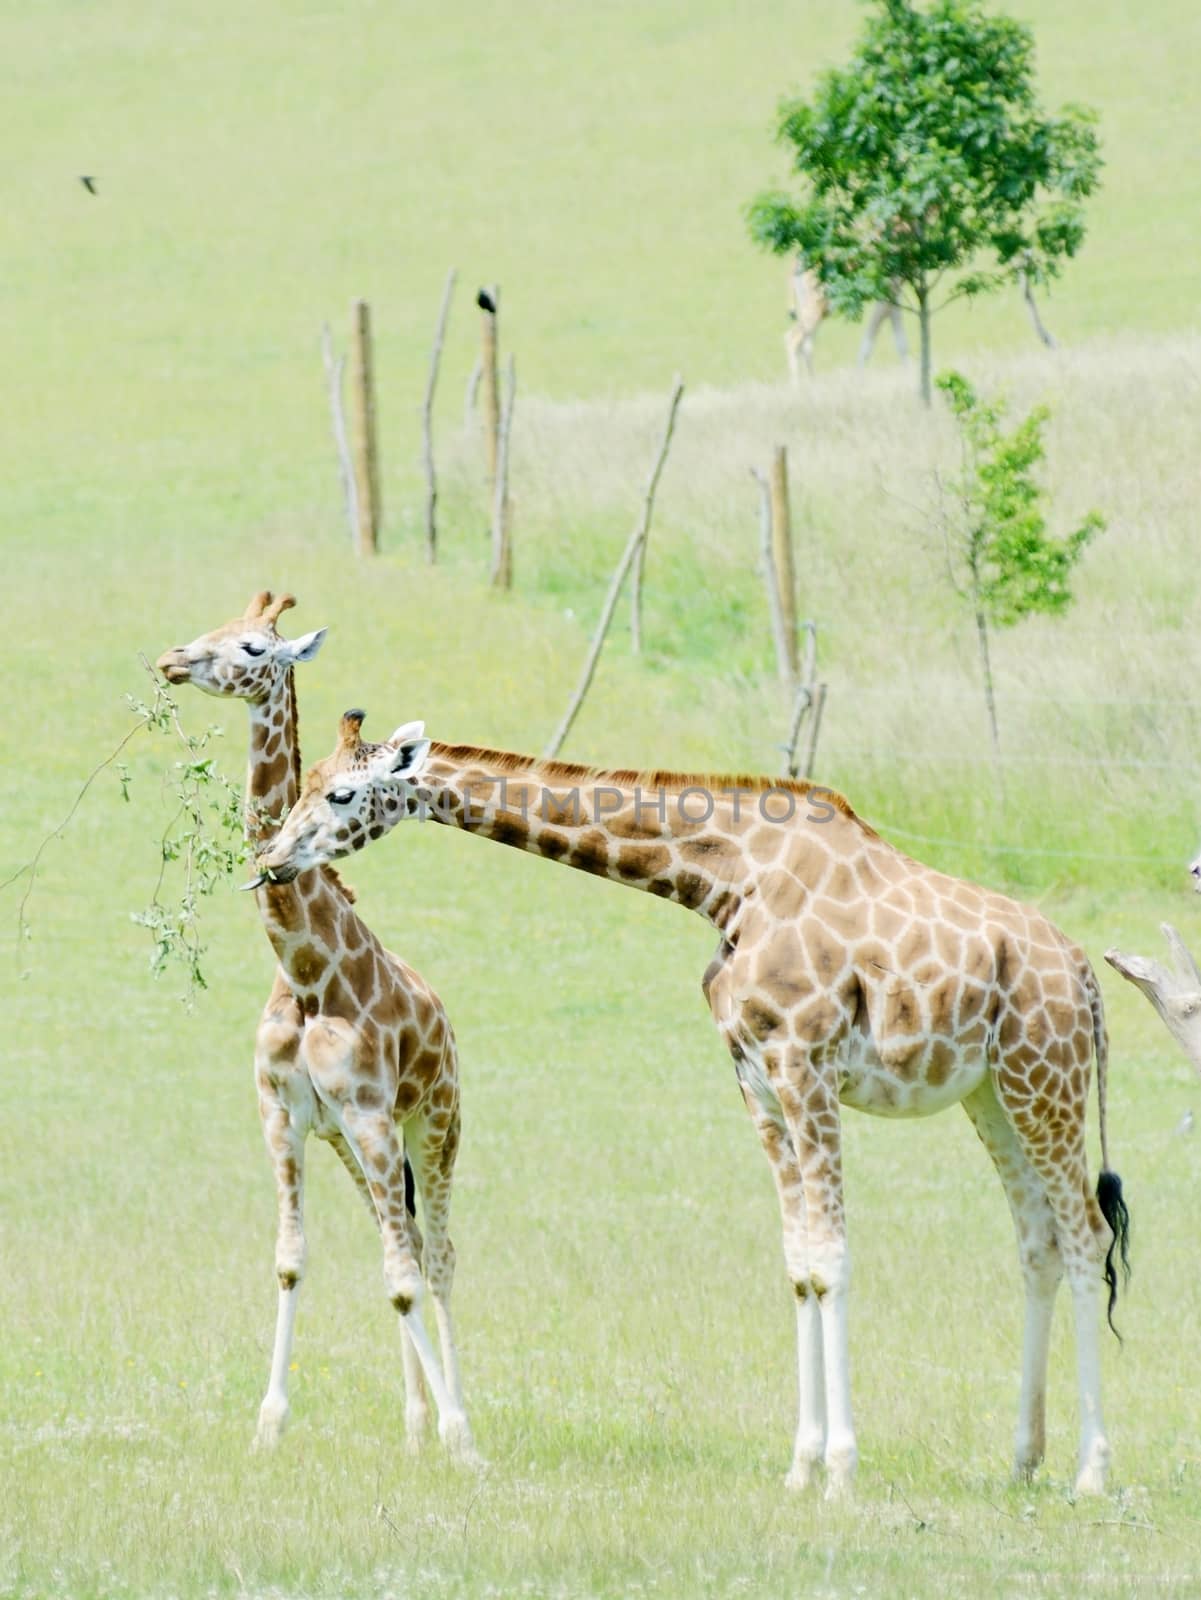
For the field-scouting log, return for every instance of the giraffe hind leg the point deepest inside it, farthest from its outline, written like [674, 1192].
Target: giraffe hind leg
[417, 1410]
[1042, 1266]
[1058, 1156]
[375, 1144]
[431, 1142]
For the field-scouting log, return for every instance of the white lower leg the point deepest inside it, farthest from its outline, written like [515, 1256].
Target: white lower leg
[897, 319]
[417, 1409]
[1031, 1441]
[452, 1423]
[273, 1413]
[831, 1276]
[811, 1416]
[867, 345]
[457, 1434]
[1094, 1446]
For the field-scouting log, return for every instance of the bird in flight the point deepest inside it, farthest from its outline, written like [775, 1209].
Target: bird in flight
[89, 184]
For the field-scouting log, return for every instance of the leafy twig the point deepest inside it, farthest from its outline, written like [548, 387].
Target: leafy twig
[205, 833]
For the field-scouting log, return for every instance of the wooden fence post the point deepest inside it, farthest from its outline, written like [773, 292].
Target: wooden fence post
[427, 426]
[781, 541]
[502, 538]
[771, 578]
[488, 301]
[366, 463]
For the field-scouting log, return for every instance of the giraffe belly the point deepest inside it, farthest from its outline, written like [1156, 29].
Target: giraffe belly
[931, 1075]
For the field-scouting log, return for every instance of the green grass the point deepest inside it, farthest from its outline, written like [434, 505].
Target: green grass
[625, 1325]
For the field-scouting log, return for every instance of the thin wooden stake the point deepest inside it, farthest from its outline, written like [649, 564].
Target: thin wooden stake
[781, 539]
[770, 579]
[648, 501]
[488, 301]
[366, 463]
[808, 704]
[427, 425]
[502, 544]
[334, 370]
[815, 728]
[473, 389]
[628, 556]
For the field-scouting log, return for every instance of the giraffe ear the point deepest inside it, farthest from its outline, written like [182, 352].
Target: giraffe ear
[407, 730]
[302, 649]
[406, 760]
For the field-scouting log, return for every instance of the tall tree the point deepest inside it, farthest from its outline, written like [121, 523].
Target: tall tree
[929, 169]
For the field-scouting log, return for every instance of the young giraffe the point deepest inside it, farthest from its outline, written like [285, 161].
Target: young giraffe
[846, 973]
[808, 308]
[351, 1043]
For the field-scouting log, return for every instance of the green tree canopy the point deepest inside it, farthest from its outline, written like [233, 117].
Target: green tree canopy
[1001, 560]
[929, 169]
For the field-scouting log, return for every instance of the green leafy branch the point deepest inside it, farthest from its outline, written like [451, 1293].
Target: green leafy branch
[203, 844]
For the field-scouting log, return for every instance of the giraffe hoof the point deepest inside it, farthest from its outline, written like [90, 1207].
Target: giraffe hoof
[1091, 1480]
[1094, 1470]
[802, 1476]
[455, 1433]
[840, 1473]
[272, 1422]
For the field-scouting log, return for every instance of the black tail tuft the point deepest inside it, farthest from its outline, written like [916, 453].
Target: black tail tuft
[411, 1198]
[1117, 1214]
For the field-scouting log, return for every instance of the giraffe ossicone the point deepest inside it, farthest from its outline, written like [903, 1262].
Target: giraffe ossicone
[353, 1045]
[846, 973]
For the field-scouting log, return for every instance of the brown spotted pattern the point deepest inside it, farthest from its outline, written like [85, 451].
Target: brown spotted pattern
[846, 974]
[353, 1045]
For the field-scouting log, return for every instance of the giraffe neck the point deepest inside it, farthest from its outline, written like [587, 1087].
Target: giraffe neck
[697, 840]
[273, 772]
[315, 931]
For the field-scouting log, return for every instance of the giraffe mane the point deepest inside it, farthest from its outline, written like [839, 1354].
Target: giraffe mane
[328, 873]
[648, 778]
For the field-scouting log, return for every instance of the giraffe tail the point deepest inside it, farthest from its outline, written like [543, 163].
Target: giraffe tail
[1110, 1200]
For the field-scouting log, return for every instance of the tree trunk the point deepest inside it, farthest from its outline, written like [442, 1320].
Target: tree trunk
[1176, 994]
[923, 314]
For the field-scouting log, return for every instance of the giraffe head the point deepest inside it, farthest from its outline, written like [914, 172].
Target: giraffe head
[245, 658]
[355, 795]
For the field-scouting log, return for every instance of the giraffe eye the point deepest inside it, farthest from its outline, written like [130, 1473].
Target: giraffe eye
[340, 797]
[254, 649]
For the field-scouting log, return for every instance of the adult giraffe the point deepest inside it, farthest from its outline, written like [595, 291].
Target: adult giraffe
[845, 973]
[808, 308]
[352, 1043]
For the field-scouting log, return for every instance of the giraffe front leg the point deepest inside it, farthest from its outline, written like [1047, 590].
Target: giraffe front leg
[285, 1143]
[766, 1114]
[810, 1105]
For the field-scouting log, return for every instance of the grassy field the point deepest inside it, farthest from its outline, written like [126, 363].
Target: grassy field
[626, 1328]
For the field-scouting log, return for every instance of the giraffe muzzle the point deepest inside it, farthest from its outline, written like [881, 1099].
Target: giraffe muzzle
[174, 666]
[265, 875]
